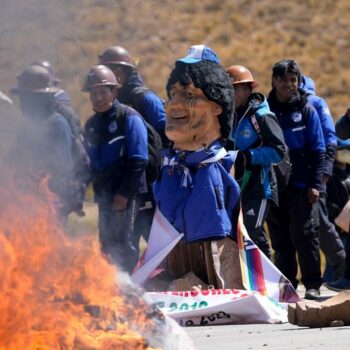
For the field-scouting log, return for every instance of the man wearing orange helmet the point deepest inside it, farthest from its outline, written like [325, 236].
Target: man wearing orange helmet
[259, 138]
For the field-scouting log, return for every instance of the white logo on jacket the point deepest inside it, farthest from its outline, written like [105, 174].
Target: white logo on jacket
[296, 117]
[246, 133]
[112, 127]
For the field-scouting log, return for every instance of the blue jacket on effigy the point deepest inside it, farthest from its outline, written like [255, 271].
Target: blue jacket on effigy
[326, 119]
[197, 193]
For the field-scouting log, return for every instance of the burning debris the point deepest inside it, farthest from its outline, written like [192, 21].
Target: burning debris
[60, 293]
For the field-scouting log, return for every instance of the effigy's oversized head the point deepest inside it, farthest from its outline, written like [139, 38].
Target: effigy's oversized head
[201, 100]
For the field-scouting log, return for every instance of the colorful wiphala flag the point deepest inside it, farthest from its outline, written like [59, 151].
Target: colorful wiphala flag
[259, 273]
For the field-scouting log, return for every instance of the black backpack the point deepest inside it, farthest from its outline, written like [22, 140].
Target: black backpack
[283, 169]
[154, 144]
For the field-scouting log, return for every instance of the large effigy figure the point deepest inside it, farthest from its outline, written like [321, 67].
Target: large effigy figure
[196, 191]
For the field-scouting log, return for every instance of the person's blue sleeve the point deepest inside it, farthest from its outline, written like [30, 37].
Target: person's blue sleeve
[153, 111]
[328, 129]
[327, 122]
[137, 155]
[273, 148]
[330, 138]
[136, 137]
[315, 147]
[341, 144]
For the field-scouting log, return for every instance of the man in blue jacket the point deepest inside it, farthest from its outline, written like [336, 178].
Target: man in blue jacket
[258, 136]
[330, 242]
[291, 224]
[195, 191]
[115, 138]
[134, 93]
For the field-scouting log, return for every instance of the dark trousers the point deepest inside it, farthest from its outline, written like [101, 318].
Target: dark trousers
[347, 270]
[293, 230]
[254, 215]
[115, 233]
[330, 242]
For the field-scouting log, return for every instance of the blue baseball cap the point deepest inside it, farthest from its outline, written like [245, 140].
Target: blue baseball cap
[197, 53]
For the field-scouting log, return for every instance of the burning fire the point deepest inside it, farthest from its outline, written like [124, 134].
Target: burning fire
[58, 292]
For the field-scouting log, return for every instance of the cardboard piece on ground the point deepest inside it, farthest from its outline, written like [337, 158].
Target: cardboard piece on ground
[332, 312]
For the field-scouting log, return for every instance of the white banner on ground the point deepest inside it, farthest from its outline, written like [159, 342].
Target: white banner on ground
[218, 306]
[163, 238]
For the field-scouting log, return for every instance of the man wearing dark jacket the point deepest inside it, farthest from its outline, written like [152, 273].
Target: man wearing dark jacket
[291, 224]
[115, 138]
[61, 104]
[330, 242]
[134, 93]
[258, 136]
[341, 181]
[44, 149]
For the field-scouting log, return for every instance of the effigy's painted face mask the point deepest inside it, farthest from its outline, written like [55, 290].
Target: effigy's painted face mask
[191, 119]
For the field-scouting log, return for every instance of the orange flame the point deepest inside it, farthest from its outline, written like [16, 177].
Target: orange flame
[58, 292]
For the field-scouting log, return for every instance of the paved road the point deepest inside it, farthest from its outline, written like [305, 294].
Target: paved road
[271, 337]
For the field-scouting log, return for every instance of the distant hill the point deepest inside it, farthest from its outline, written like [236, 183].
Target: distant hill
[70, 34]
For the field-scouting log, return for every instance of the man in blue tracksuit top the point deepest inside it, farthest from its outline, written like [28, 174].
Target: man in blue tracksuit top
[330, 242]
[195, 191]
[258, 136]
[115, 138]
[134, 93]
[291, 224]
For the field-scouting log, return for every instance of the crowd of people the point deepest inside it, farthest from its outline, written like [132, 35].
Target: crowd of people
[214, 148]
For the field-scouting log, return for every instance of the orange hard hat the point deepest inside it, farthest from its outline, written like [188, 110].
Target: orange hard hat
[241, 75]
